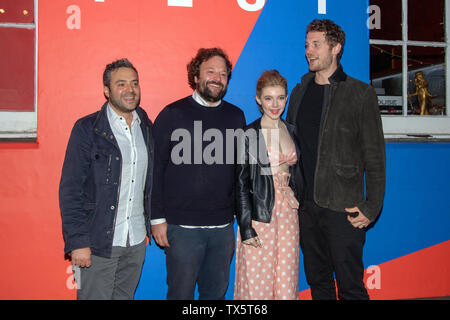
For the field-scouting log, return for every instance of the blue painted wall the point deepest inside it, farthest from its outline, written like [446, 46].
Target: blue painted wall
[278, 42]
[416, 213]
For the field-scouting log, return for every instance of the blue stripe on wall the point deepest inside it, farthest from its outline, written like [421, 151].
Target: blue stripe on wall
[416, 212]
[278, 42]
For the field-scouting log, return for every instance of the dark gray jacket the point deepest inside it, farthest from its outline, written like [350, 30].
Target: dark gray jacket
[351, 145]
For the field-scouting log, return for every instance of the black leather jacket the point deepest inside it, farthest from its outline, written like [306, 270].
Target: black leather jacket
[255, 192]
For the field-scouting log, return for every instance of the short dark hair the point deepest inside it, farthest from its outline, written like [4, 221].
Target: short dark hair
[193, 67]
[121, 63]
[333, 33]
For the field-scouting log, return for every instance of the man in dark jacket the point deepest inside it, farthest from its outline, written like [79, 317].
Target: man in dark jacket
[105, 190]
[339, 129]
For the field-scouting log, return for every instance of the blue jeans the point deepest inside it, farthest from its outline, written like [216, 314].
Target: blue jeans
[198, 256]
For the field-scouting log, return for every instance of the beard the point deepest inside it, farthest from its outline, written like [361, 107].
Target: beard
[209, 95]
[322, 65]
[122, 106]
[324, 62]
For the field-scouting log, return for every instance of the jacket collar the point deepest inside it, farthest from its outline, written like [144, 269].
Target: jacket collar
[338, 76]
[257, 125]
[101, 124]
[103, 128]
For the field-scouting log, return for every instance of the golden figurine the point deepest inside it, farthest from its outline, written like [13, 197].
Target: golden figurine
[422, 93]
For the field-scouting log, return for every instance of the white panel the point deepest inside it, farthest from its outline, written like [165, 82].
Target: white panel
[322, 7]
[179, 3]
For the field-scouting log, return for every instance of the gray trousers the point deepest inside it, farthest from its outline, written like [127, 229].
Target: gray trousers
[111, 279]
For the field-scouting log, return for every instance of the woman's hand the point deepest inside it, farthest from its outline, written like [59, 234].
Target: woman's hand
[254, 242]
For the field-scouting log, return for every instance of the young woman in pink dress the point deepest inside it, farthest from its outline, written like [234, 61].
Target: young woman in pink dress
[267, 252]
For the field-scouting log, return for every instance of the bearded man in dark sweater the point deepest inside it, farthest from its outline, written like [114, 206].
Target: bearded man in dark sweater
[193, 186]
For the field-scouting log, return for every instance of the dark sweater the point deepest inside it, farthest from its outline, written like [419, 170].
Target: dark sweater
[189, 187]
[308, 126]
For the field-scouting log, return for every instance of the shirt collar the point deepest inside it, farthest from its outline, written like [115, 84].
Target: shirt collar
[202, 101]
[113, 116]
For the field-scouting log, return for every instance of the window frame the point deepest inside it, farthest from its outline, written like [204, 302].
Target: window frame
[413, 127]
[22, 125]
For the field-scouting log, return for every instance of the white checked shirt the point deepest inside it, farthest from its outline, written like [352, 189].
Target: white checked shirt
[130, 219]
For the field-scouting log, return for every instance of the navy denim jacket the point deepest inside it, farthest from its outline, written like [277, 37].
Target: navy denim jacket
[90, 183]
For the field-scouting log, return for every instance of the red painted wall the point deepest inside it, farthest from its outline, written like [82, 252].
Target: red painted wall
[159, 40]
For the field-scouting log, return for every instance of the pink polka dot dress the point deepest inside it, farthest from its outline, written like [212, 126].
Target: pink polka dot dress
[271, 271]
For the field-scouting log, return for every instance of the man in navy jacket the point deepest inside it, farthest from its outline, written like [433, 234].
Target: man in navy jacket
[105, 190]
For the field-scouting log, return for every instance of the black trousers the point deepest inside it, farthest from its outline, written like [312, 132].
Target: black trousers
[330, 244]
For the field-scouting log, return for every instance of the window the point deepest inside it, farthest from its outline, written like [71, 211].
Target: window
[18, 69]
[409, 61]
